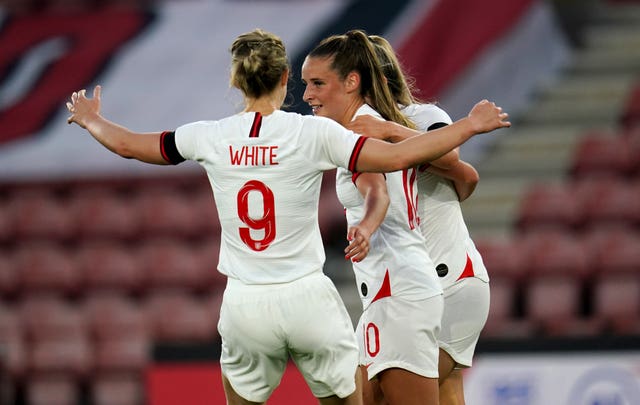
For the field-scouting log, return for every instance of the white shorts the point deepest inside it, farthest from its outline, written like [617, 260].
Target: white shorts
[466, 307]
[397, 333]
[262, 325]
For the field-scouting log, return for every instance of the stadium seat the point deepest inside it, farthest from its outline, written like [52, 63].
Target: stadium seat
[631, 114]
[616, 301]
[13, 356]
[503, 257]
[105, 213]
[331, 214]
[598, 154]
[164, 211]
[171, 263]
[608, 201]
[46, 267]
[57, 389]
[9, 280]
[180, 317]
[556, 252]
[117, 389]
[553, 303]
[503, 321]
[115, 316]
[549, 206]
[108, 265]
[120, 333]
[206, 252]
[38, 214]
[615, 250]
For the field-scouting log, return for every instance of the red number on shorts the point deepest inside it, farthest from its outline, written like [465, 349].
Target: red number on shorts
[372, 329]
[266, 223]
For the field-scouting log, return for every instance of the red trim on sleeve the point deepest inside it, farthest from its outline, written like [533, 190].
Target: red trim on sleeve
[163, 151]
[356, 153]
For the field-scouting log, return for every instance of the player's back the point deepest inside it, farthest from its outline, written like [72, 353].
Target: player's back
[266, 173]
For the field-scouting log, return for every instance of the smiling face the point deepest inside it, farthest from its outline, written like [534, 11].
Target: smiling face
[327, 94]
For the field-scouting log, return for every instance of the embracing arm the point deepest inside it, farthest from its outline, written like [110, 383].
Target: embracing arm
[131, 145]
[465, 178]
[380, 156]
[373, 188]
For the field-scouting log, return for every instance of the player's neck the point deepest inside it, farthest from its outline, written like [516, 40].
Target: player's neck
[264, 105]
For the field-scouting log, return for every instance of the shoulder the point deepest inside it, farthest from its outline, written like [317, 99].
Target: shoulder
[426, 114]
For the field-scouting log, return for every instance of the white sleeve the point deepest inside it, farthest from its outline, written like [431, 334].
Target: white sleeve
[425, 115]
[335, 146]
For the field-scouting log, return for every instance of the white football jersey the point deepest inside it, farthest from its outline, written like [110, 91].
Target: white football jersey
[398, 263]
[266, 172]
[441, 220]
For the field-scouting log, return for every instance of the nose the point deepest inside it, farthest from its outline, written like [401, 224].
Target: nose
[307, 96]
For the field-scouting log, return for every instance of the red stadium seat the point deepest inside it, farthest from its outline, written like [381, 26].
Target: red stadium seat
[615, 250]
[164, 211]
[631, 115]
[13, 357]
[46, 267]
[502, 321]
[207, 252]
[39, 214]
[554, 304]
[117, 389]
[503, 257]
[57, 337]
[608, 201]
[107, 265]
[9, 279]
[59, 389]
[172, 263]
[598, 154]
[549, 206]
[616, 301]
[181, 317]
[120, 331]
[114, 316]
[105, 213]
[555, 252]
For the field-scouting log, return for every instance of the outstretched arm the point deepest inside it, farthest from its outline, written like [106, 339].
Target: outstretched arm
[393, 132]
[131, 145]
[380, 156]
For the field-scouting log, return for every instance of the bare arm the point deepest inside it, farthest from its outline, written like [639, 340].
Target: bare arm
[464, 176]
[131, 145]
[380, 156]
[393, 132]
[373, 188]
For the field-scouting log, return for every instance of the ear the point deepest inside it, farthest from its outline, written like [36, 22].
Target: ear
[285, 77]
[352, 82]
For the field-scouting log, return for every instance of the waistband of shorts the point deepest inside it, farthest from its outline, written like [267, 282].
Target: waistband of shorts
[236, 284]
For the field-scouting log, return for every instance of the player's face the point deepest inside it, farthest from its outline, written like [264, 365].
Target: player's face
[324, 91]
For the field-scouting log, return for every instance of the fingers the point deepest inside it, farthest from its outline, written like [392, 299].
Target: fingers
[358, 248]
[97, 92]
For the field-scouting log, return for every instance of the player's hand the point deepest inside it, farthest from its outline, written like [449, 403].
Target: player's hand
[485, 116]
[358, 248]
[368, 125]
[82, 108]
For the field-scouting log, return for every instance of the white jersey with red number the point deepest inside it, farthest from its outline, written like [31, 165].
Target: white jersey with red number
[441, 219]
[266, 172]
[398, 263]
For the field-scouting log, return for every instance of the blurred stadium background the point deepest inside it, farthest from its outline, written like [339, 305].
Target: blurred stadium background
[108, 288]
